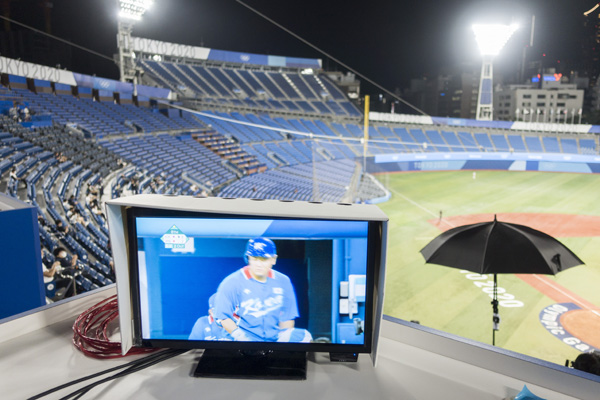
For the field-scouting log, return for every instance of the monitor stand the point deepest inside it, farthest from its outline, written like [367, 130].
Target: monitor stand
[263, 364]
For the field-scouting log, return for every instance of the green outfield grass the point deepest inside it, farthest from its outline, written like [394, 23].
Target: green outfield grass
[443, 298]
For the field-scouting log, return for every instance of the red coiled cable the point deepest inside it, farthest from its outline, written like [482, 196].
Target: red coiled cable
[90, 331]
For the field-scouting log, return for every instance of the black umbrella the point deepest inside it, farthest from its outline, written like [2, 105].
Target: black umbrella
[499, 248]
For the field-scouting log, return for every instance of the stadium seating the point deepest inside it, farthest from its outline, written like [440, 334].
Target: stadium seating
[517, 143]
[243, 88]
[322, 181]
[265, 134]
[534, 145]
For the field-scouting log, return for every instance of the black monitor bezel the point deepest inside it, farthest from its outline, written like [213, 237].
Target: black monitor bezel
[374, 254]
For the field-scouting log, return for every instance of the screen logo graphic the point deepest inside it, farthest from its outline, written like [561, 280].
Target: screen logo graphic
[174, 238]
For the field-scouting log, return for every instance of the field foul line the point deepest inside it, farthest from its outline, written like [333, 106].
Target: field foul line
[558, 289]
[414, 203]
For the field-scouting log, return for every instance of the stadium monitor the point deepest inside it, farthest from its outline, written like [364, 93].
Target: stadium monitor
[257, 284]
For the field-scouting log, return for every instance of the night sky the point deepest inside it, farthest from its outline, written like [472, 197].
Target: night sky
[390, 41]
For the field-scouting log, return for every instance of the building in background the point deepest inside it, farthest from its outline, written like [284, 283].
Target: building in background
[452, 94]
[548, 98]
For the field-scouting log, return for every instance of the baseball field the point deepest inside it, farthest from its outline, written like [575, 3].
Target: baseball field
[551, 317]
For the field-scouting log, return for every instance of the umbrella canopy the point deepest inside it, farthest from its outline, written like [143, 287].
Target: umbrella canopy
[500, 248]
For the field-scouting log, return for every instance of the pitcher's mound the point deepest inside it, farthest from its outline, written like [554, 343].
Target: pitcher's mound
[584, 325]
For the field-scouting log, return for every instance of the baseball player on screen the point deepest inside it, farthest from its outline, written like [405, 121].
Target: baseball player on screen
[257, 303]
[206, 328]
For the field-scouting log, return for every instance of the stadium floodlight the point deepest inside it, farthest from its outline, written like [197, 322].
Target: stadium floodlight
[490, 39]
[130, 12]
[134, 9]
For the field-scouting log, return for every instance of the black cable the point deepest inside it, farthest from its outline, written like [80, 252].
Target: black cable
[74, 382]
[331, 57]
[142, 365]
[160, 356]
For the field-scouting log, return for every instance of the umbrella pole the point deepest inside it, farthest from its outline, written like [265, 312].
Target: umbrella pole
[495, 315]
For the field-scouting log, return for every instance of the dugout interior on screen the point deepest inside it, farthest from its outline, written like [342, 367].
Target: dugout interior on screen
[175, 282]
[172, 255]
[175, 286]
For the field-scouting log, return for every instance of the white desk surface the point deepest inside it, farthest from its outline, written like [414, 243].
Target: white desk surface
[34, 358]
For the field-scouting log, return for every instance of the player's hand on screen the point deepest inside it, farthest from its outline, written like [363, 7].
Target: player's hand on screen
[239, 336]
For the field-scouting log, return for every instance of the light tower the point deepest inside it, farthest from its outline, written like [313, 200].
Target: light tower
[490, 39]
[130, 12]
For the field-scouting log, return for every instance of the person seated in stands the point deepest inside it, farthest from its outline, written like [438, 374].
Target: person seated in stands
[92, 189]
[123, 181]
[13, 112]
[76, 217]
[12, 178]
[57, 287]
[92, 200]
[72, 200]
[134, 185]
[98, 188]
[69, 267]
[97, 211]
[62, 228]
[25, 116]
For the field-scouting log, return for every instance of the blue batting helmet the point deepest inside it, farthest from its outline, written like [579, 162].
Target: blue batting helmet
[211, 301]
[260, 247]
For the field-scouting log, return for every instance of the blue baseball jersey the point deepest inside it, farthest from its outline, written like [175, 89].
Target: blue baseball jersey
[206, 328]
[257, 307]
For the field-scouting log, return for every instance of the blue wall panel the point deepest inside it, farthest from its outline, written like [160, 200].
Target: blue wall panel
[17, 79]
[488, 164]
[22, 283]
[581, 168]
[551, 162]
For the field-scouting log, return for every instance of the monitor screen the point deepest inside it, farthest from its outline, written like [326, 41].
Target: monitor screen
[203, 280]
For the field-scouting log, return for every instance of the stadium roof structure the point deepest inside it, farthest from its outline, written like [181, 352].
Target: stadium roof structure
[177, 51]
